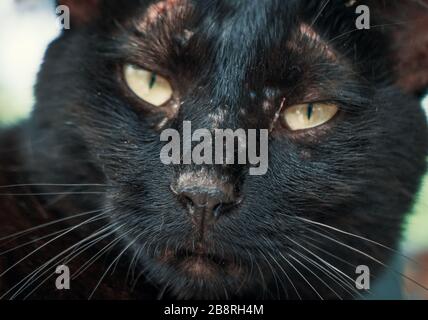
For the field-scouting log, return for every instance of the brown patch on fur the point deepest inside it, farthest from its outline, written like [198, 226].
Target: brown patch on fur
[308, 32]
[164, 11]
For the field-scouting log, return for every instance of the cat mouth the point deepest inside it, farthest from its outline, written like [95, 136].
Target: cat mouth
[200, 263]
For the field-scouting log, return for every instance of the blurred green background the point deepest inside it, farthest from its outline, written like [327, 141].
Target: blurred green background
[26, 28]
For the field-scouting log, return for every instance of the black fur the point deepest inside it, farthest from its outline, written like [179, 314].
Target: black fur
[359, 175]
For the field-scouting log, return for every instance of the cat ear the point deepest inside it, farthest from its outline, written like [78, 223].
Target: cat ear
[406, 22]
[81, 11]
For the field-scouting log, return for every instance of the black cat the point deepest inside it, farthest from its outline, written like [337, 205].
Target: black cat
[347, 150]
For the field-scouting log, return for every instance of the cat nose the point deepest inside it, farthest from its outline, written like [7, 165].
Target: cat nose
[206, 203]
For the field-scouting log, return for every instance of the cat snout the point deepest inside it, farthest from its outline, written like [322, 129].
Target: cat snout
[206, 199]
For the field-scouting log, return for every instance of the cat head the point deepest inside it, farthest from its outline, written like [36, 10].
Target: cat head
[347, 140]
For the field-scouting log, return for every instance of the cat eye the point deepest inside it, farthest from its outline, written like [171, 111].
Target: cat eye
[309, 115]
[148, 85]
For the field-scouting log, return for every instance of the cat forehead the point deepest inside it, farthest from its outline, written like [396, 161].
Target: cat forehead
[220, 14]
[242, 22]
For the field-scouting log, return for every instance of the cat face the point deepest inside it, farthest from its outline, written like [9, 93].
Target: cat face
[215, 231]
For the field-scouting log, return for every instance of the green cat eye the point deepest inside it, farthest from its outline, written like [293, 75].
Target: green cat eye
[148, 85]
[309, 115]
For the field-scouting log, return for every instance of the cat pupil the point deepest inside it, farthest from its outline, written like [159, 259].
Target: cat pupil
[152, 80]
[310, 110]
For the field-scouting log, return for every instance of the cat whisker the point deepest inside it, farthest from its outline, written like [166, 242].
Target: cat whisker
[274, 274]
[371, 258]
[163, 290]
[302, 276]
[130, 274]
[54, 185]
[110, 266]
[247, 276]
[97, 217]
[331, 41]
[101, 252]
[284, 272]
[315, 275]
[325, 251]
[50, 194]
[264, 283]
[50, 223]
[31, 276]
[64, 260]
[357, 237]
[117, 262]
[422, 3]
[277, 280]
[321, 259]
[336, 278]
[25, 244]
[137, 279]
[319, 13]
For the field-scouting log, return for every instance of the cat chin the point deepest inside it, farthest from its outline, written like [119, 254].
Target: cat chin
[198, 278]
